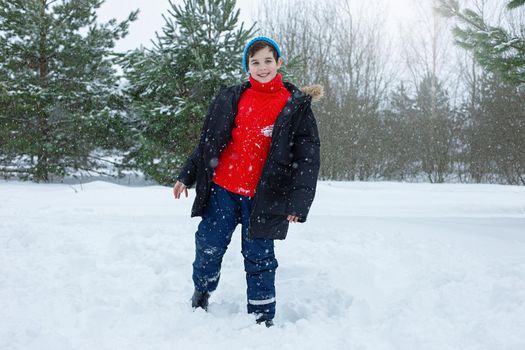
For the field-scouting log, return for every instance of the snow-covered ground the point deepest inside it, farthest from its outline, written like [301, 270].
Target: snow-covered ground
[377, 266]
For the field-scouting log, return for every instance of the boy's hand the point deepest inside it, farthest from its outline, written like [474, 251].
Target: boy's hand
[292, 218]
[178, 188]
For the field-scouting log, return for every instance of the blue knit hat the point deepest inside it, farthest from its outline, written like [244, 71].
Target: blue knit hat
[259, 38]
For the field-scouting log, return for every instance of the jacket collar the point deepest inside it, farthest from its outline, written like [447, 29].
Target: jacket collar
[296, 99]
[312, 93]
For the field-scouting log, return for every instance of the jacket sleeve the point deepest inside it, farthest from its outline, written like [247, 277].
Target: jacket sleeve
[306, 163]
[188, 174]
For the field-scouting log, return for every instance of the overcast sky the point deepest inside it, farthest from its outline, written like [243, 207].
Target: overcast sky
[150, 17]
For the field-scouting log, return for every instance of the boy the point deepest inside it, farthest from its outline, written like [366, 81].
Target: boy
[256, 164]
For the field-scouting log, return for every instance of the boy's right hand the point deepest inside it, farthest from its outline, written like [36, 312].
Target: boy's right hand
[178, 188]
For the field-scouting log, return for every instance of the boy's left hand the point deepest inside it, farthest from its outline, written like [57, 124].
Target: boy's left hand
[292, 218]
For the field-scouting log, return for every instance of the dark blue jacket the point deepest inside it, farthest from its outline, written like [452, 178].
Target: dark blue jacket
[289, 176]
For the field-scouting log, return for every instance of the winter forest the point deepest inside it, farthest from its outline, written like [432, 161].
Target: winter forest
[443, 103]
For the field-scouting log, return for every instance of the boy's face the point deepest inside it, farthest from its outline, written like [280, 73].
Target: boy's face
[262, 66]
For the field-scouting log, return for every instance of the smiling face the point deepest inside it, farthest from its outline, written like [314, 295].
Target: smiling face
[262, 65]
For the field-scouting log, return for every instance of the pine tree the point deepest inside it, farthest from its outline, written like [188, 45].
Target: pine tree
[434, 127]
[400, 132]
[172, 84]
[494, 48]
[498, 131]
[515, 3]
[59, 98]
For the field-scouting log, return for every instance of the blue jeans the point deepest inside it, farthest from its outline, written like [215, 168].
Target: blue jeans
[225, 210]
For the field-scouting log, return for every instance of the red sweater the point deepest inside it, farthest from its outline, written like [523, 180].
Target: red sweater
[241, 162]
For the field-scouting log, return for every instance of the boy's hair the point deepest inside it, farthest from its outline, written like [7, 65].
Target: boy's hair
[259, 45]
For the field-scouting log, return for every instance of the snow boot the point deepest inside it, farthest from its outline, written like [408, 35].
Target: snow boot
[200, 299]
[267, 323]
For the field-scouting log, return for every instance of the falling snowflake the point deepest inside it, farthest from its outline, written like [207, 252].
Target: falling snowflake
[267, 131]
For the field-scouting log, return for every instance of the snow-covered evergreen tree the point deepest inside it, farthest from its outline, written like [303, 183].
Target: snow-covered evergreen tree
[400, 136]
[59, 98]
[434, 129]
[498, 132]
[495, 48]
[172, 84]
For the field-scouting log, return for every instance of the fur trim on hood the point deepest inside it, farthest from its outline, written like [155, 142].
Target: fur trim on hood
[316, 91]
